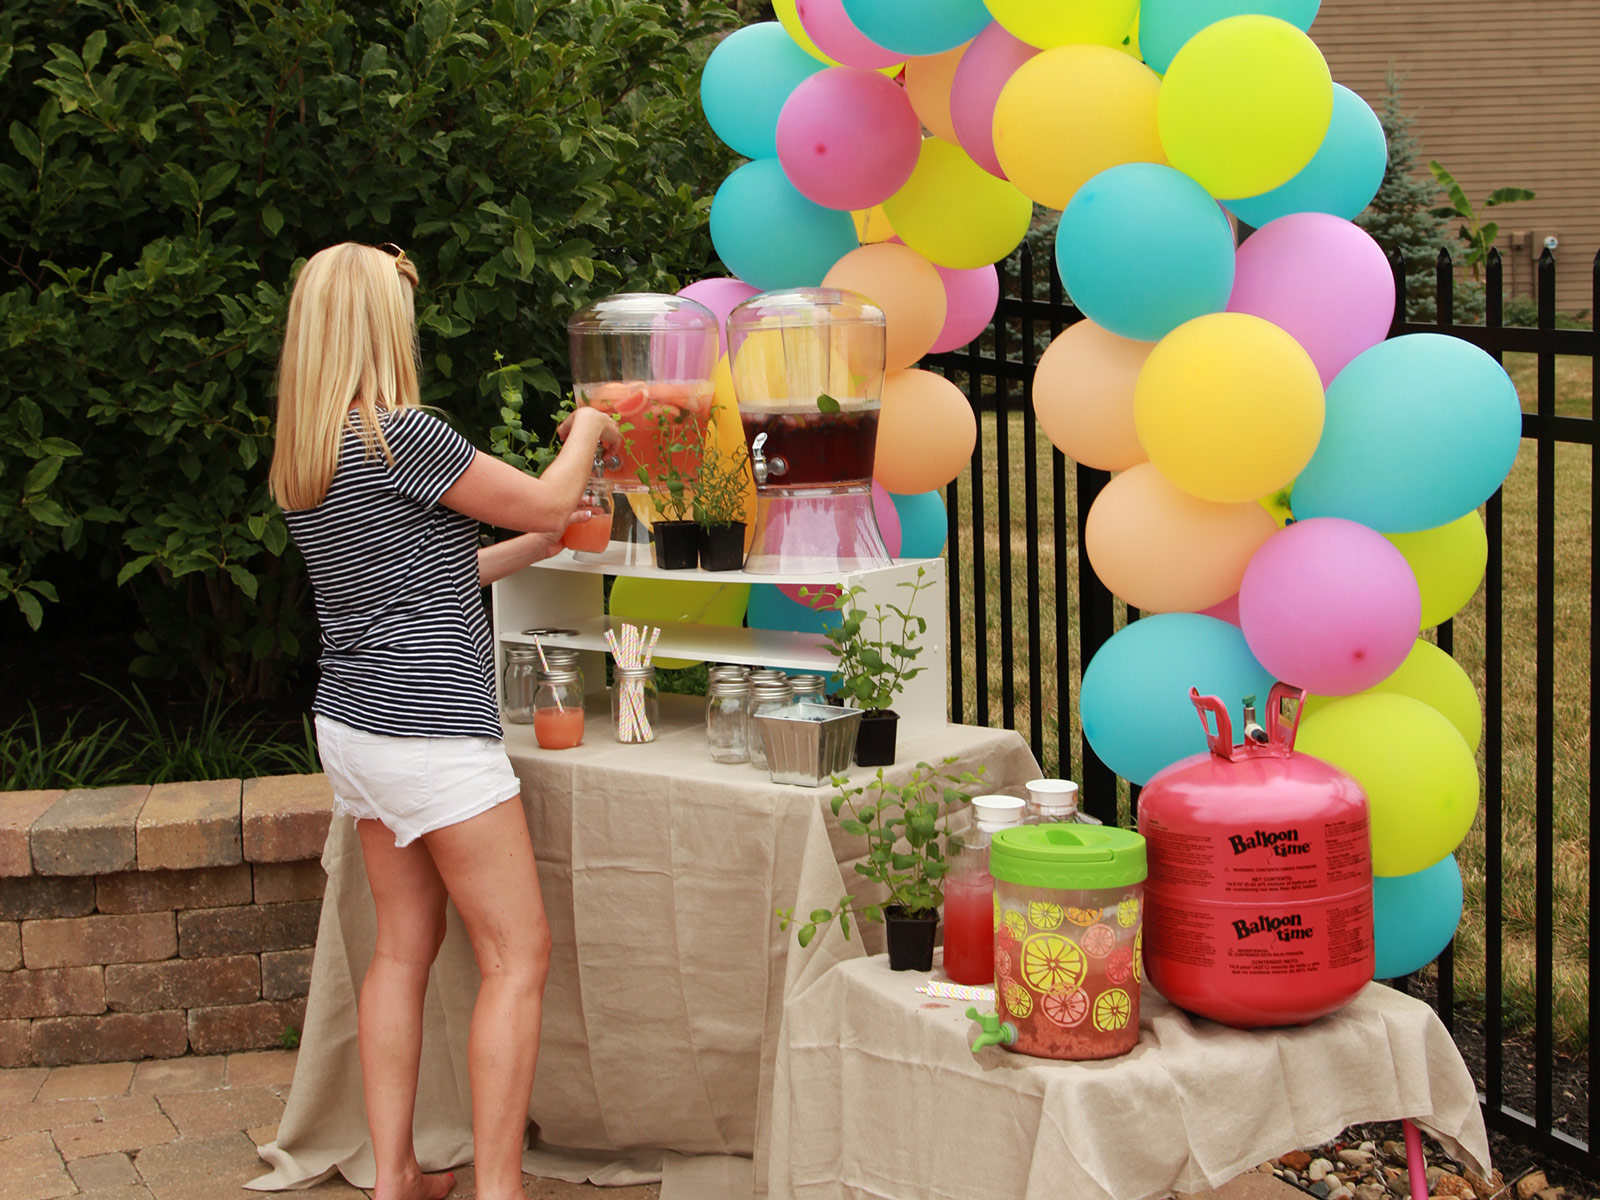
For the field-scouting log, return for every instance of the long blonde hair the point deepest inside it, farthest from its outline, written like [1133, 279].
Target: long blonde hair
[350, 345]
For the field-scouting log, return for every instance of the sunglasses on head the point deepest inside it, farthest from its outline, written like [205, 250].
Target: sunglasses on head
[392, 251]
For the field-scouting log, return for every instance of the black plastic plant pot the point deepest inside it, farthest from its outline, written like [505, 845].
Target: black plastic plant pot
[875, 741]
[910, 938]
[677, 545]
[722, 547]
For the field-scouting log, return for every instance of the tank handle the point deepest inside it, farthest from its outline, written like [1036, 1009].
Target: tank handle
[1220, 738]
[1285, 706]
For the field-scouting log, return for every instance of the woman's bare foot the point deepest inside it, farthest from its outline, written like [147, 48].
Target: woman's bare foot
[414, 1185]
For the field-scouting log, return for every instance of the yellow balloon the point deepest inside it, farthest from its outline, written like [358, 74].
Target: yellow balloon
[1432, 676]
[928, 81]
[728, 440]
[787, 12]
[1420, 778]
[1244, 105]
[1163, 550]
[1046, 23]
[954, 213]
[926, 432]
[1229, 407]
[872, 225]
[1448, 562]
[1277, 505]
[1068, 114]
[906, 286]
[657, 601]
[1083, 396]
[1130, 43]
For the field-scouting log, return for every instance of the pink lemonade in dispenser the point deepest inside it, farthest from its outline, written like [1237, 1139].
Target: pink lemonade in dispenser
[1260, 891]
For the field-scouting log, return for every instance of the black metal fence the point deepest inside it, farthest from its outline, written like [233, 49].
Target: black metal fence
[1022, 633]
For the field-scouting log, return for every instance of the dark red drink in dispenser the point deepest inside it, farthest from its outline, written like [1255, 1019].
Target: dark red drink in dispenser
[817, 449]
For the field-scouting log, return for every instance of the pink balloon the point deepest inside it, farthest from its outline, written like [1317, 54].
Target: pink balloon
[1227, 611]
[970, 299]
[1329, 605]
[721, 296]
[1322, 280]
[837, 37]
[888, 518]
[991, 60]
[848, 139]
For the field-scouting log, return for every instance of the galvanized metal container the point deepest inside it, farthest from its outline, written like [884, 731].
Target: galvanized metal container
[808, 744]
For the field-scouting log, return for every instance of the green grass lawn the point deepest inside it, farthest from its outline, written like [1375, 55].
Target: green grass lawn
[1569, 720]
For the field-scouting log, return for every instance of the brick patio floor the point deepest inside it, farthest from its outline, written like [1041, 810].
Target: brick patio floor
[171, 1129]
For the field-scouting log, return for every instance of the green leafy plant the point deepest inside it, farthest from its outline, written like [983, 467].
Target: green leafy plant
[1477, 232]
[875, 655]
[719, 486]
[164, 170]
[30, 762]
[676, 442]
[512, 441]
[907, 829]
[289, 1039]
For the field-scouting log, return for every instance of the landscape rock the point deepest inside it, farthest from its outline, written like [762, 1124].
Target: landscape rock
[1531, 1185]
[1297, 1160]
[1320, 1167]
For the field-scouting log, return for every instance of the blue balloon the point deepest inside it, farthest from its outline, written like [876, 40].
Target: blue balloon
[746, 80]
[1165, 25]
[771, 236]
[1341, 179]
[771, 609]
[915, 27]
[1143, 248]
[1420, 430]
[1135, 700]
[1414, 917]
[924, 527]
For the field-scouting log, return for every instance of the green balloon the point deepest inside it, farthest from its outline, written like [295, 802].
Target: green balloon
[1448, 562]
[1432, 676]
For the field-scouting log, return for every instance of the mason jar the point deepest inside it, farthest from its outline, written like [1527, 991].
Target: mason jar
[558, 710]
[809, 687]
[518, 683]
[728, 720]
[766, 694]
[635, 706]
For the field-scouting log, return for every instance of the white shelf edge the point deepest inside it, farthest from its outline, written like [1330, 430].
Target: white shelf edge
[703, 643]
[566, 562]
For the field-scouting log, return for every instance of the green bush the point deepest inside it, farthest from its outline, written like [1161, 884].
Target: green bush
[165, 168]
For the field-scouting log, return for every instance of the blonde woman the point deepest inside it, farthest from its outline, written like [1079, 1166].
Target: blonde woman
[384, 501]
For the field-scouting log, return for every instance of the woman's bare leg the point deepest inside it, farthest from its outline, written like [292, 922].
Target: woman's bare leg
[409, 896]
[487, 866]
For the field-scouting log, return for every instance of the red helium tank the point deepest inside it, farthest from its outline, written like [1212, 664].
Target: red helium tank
[1258, 908]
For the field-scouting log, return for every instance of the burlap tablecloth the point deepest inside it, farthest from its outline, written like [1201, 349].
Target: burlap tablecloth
[878, 1096]
[660, 871]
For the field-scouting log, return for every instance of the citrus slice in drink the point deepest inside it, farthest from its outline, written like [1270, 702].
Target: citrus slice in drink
[1083, 916]
[1119, 966]
[1052, 963]
[1098, 941]
[1111, 1009]
[1003, 968]
[1065, 1008]
[1015, 923]
[997, 911]
[1042, 914]
[631, 403]
[1019, 1001]
[1138, 954]
[1128, 912]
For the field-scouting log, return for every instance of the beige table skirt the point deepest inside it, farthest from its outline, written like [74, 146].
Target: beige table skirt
[660, 871]
[878, 1096]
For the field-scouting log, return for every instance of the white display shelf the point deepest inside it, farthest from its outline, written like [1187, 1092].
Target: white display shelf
[565, 561]
[716, 643]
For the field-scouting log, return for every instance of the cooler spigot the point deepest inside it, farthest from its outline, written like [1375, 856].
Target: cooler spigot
[762, 466]
[995, 1031]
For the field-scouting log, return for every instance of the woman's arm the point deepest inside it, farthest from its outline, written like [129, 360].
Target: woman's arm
[496, 493]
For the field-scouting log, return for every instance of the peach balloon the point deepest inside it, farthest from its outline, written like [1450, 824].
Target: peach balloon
[1163, 550]
[928, 83]
[1083, 396]
[926, 432]
[906, 286]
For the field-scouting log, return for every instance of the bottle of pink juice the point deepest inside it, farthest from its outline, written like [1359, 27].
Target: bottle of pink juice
[969, 892]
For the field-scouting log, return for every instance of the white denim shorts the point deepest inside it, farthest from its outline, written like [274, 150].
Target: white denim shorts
[414, 785]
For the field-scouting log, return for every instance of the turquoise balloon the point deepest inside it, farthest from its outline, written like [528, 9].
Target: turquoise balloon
[1341, 179]
[1143, 248]
[771, 609]
[771, 236]
[1414, 917]
[916, 27]
[924, 527]
[1420, 430]
[745, 82]
[1135, 700]
[1165, 25]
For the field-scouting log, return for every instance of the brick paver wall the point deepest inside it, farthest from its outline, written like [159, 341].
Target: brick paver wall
[150, 922]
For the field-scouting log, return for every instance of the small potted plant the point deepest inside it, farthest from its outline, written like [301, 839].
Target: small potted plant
[876, 653]
[674, 537]
[907, 830]
[719, 504]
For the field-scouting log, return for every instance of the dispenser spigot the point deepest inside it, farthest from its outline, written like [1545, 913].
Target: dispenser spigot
[995, 1031]
[604, 462]
[763, 466]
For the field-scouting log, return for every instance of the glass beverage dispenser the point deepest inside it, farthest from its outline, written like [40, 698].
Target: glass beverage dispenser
[808, 372]
[647, 361]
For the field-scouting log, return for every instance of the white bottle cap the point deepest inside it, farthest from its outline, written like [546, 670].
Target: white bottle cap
[994, 813]
[1053, 797]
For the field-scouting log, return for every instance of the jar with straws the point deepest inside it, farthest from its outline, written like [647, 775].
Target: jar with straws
[634, 702]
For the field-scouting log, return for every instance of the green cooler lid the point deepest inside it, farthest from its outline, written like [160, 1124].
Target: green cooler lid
[1065, 855]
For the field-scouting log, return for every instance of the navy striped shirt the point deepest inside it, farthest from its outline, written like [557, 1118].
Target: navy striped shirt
[406, 647]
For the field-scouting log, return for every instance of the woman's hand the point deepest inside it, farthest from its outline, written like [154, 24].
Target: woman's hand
[606, 432]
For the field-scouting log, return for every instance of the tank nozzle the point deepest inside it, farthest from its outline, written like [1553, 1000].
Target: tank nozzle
[995, 1031]
[1254, 731]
